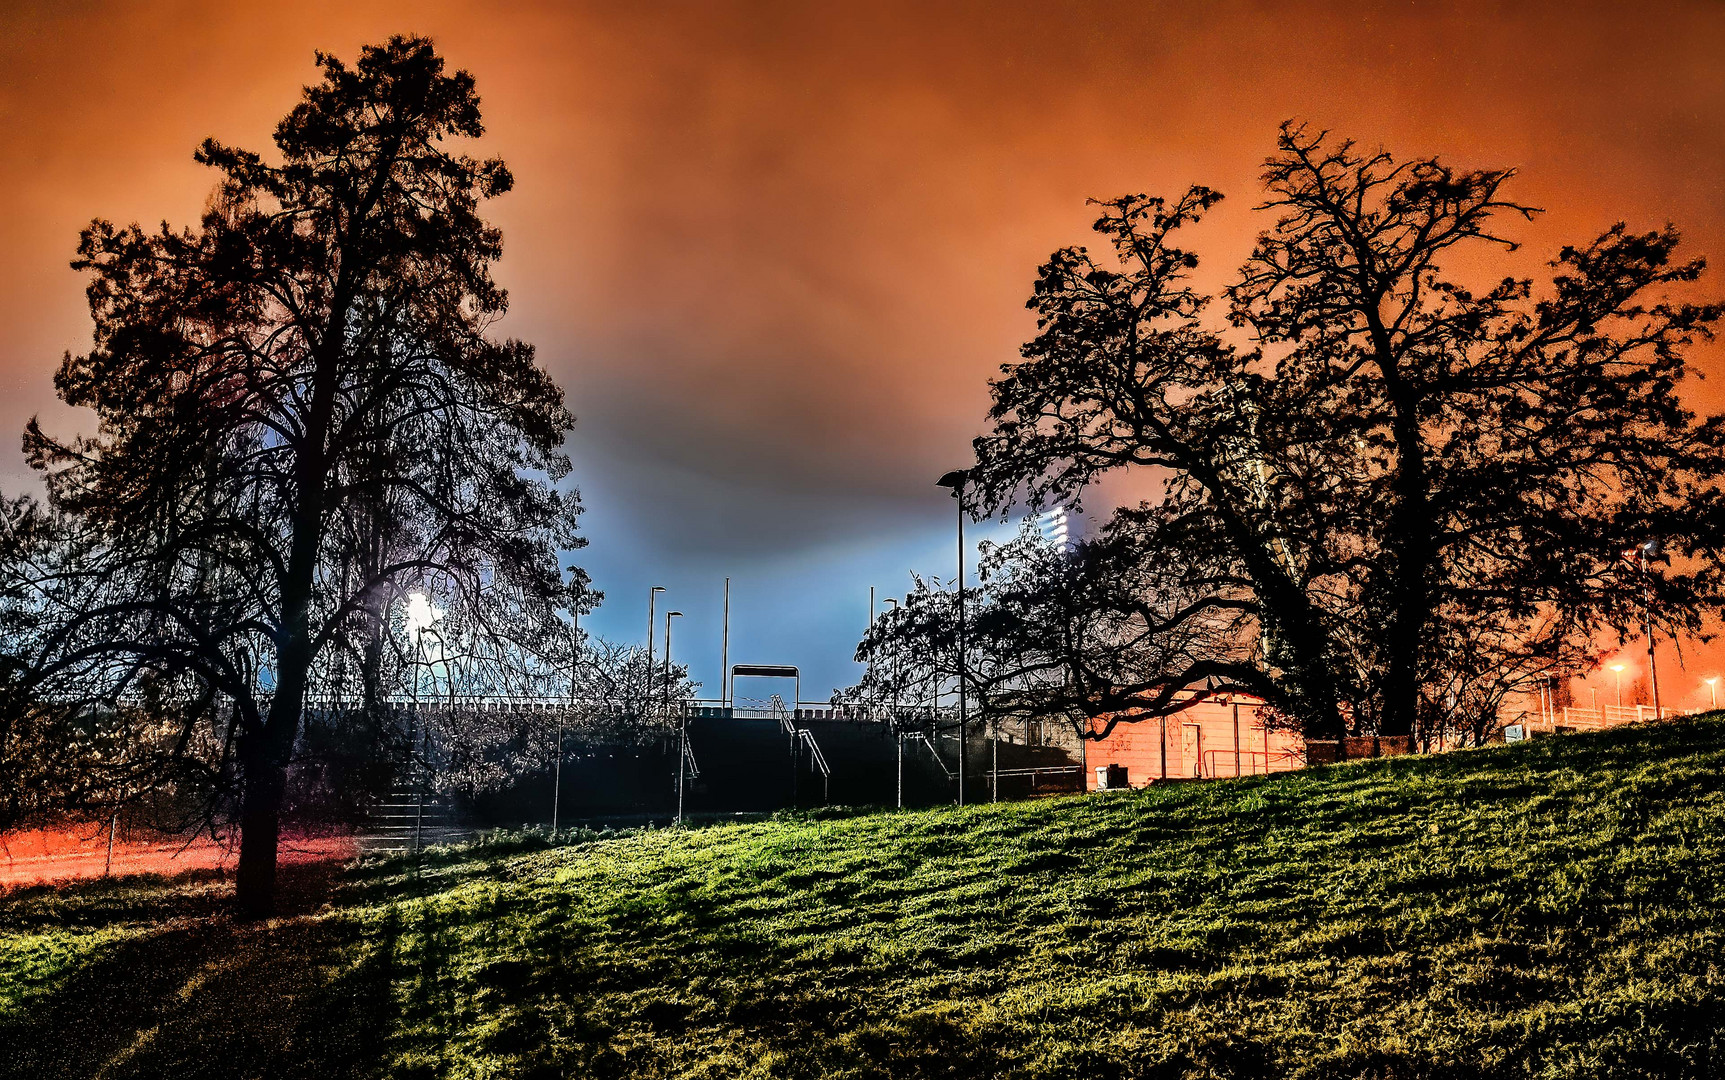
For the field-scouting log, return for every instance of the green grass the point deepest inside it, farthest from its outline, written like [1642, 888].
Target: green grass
[1548, 910]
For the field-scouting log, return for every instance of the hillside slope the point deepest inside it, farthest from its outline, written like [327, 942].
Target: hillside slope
[1550, 909]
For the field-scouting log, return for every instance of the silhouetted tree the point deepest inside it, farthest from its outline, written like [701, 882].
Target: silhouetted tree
[301, 417]
[487, 744]
[1383, 492]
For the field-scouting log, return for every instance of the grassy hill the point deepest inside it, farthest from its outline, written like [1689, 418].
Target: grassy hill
[1549, 910]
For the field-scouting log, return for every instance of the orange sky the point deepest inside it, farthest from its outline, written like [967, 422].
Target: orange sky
[775, 250]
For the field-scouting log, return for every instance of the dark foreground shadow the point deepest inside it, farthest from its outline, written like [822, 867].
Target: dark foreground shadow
[304, 997]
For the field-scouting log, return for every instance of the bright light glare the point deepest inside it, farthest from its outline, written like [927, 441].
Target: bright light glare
[1053, 524]
[420, 613]
[1616, 667]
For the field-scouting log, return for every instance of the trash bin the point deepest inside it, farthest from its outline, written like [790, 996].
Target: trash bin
[1110, 777]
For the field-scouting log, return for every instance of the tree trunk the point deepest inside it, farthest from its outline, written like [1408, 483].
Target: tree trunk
[260, 832]
[1410, 528]
[1410, 533]
[268, 751]
[1289, 617]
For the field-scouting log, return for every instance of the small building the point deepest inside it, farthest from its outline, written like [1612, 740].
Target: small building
[1216, 737]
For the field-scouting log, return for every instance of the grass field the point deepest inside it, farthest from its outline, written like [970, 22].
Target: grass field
[1549, 909]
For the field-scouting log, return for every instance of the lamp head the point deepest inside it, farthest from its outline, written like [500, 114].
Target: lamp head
[955, 480]
[1617, 668]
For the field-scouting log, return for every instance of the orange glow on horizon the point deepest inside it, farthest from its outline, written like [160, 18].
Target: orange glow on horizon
[774, 253]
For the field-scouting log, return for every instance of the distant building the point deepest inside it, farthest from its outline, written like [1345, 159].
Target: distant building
[1216, 737]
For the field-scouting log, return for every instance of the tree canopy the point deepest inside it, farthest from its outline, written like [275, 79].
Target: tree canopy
[301, 417]
[1388, 495]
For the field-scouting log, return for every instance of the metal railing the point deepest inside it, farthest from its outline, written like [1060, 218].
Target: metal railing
[819, 759]
[787, 718]
[1042, 771]
[694, 708]
[776, 710]
[1610, 716]
[1288, 760]
[932, 749]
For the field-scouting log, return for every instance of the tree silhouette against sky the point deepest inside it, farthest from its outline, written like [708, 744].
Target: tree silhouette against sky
[1387, 498]
[301, 418]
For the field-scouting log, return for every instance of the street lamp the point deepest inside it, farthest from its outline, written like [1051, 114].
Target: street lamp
[652, 599]
[1713, 688]
[683, 725]
[1618, 669]
[955, 480]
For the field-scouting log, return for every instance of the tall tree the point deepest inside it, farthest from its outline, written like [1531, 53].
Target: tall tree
[1387, 497]
[301, 416]
[1509, 441]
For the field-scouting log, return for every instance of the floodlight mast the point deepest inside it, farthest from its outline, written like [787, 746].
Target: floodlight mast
[955, 480]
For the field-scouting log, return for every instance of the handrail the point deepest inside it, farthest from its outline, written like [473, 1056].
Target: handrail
[788, 724]
[787, 721]
[938, 760]
[815, 754]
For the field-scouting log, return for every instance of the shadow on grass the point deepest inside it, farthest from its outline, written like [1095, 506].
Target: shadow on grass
[210, 997]
[1517, 911]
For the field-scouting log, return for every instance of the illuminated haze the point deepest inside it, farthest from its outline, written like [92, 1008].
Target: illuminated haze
[774, 251]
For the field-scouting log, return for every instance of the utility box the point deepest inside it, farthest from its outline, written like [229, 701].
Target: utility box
[1110, 777]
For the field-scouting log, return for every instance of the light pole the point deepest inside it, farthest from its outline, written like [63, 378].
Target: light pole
[955, 480]
[683, 724]
[1713, 688]
[897, 720]
[1618, 669]
[1651, 547]
[563, 715]
[652, 599]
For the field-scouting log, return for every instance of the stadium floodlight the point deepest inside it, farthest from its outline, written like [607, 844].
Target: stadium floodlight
[1054, 526]
[420, 614]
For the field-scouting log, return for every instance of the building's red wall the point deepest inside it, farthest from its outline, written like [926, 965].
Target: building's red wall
[1200, 741]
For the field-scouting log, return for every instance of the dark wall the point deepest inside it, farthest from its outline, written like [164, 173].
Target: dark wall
[752, 766]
